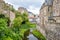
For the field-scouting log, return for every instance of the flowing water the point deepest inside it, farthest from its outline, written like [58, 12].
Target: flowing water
[29, 36]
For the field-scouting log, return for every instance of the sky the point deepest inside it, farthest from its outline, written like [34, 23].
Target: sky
[31, 5]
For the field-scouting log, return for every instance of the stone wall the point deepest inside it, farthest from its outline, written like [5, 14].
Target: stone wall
[53, 31]
[56, 10]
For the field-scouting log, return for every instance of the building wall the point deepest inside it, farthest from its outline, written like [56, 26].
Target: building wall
[48, 29]
[44, 15]
[56, 7]
[56, 10]
[43, 18]
[22, 10]
[51, 30]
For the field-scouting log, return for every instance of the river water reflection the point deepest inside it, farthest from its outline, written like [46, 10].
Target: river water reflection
[31, 37]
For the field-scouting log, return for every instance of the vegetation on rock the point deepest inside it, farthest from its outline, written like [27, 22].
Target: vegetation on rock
[38, 35]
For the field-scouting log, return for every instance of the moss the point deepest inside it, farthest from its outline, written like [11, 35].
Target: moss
[38, 35]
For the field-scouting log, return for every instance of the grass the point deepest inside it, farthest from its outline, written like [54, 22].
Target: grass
[27, 26]
[38, 35]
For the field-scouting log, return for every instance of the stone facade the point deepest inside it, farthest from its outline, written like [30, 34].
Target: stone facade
[22, 10]
[56, 10]
[50, 20]
[44, 14]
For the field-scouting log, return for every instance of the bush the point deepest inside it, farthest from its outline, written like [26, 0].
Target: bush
[17, 22]
[7, 33]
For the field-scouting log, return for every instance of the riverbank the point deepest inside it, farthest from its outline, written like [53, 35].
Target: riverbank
[38, 35]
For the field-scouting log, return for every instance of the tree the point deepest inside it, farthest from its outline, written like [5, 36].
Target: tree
[17, 22]
[17, 14]
[25, 18]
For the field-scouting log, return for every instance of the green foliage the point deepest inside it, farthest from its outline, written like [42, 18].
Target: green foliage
[31, 25]
[22, 31]
[25, 17]
[12, 9]
[17, 22]
[2, 16]
[7, 33]
[3, 22]
[3, 28]
[17, 14]
[19, 27]
[38, 35]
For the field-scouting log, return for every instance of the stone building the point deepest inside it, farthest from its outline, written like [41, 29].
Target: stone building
[45, 14]
[50, 19]
[22, 10]
[56, 10]
[31, 17]
[43, 17]
[5, 10]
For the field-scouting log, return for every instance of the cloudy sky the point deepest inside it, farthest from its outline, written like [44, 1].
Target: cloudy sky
[30, 5]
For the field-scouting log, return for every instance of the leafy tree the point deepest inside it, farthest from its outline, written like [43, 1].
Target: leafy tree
[17, 22]
[17, 14]
[7, 33]
[12, 9]
[3, 22]
[3, 26]
[25, 18]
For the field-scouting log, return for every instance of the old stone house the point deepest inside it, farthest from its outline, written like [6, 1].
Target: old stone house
[56, 10]
[50, 19]
[22, 10]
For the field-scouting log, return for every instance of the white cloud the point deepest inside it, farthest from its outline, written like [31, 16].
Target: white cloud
[33, 9]
[26, 0]
[31, 5]
[18, 1]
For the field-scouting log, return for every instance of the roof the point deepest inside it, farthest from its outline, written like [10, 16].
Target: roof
[47, 3]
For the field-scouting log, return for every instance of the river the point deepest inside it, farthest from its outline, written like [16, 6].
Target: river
[31, 37]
